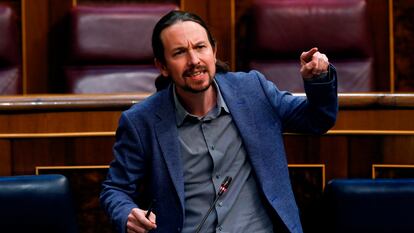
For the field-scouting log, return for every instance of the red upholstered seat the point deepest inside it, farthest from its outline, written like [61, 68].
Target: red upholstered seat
[282, 29]
[10, 62]
[111, 48]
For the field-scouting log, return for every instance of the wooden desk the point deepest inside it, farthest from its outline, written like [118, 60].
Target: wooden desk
[58, 130]
[99, 113]
[72, 134]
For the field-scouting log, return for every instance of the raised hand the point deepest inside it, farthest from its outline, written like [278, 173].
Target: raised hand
[313, 63]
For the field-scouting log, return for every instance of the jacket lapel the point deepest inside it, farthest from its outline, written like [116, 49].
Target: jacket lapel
[243, 115]
[167, 135]
[241, 105]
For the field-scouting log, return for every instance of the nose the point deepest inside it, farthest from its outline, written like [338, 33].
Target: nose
[193, 58]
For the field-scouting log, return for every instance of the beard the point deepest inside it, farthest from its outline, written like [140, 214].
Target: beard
[197, 86]
[198, 89]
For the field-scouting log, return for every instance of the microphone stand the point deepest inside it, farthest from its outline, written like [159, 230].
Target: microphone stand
[223, 188]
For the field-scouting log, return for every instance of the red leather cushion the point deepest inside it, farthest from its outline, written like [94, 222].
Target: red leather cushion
[353, 74]
[337, 27]
[111, 48]
[115, 33]
[282, 29]
[9, 42]
[111, 79]
[10, 73]
[10, 81]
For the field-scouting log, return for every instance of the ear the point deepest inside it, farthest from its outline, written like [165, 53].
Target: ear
[161, 67]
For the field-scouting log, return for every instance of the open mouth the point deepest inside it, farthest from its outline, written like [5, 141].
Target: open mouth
[195, 73]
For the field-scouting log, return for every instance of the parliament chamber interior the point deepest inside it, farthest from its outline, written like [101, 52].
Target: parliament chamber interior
[68, 68]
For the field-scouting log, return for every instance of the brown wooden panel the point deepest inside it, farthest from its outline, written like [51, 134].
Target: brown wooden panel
[375, 120]
[58, 122]
[60, 114]
[200, 8]
[391, 171]
[398, 149]
[86, 113]
[334, 151]
[47, 124]
[124, 1]
[220, 21]
[378, 24]
[363, 152]
[58, 43]
[307, 152]
[5, 158]
[44, 37]
[404, 45]
[331, 150]
[31, 152]
[35, 44]
[350, 156]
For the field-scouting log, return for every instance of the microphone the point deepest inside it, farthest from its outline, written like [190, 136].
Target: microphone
[223, 188]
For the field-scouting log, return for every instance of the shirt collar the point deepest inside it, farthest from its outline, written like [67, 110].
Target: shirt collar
[181, 113]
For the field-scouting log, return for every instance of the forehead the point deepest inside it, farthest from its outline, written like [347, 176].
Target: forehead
[183, 32]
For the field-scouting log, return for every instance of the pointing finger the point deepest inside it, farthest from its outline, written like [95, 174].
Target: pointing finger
[306, 57]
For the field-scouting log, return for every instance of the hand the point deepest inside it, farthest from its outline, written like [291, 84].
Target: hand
[313, 63]
[138, 223]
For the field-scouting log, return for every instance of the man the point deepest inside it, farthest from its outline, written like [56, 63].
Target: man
[180, 143]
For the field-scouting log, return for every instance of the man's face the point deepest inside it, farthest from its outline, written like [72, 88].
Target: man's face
[189, 57]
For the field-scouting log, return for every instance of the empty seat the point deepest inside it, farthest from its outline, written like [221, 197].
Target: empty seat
[281, 29]
[110, 48]
[33, 203]
[10, 68]
[368, 206]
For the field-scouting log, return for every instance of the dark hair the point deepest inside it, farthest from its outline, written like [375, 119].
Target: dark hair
[158, 48]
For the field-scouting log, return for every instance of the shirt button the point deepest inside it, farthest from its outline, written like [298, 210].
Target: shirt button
[220, 204]
[218, 176]
[220, 228]
[212, 147]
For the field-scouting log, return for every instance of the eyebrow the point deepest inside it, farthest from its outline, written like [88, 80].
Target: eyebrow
[185, 47]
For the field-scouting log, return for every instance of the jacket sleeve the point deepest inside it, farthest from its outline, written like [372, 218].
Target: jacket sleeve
[316, 113]
[125, 172]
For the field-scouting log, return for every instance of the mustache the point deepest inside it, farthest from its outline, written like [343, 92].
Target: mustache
[193, 69]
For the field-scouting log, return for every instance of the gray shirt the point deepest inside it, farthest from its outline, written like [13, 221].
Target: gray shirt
[212, 149]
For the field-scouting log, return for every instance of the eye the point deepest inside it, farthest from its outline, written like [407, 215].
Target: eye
[200, 46]
[178, 52]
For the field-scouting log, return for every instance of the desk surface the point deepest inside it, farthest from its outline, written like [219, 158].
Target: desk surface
[99, 114]
[120, 101]
[57, 130]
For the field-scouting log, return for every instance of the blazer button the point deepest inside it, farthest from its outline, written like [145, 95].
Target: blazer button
[178, 229]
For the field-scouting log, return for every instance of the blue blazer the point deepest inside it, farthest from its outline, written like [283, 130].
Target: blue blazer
[147, 150]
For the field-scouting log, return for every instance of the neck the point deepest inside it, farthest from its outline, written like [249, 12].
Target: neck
[198, 104]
